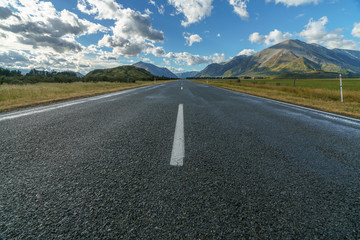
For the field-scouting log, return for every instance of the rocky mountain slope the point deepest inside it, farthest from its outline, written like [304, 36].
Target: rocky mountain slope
[289, 56]
[187, 74]
[155, 70]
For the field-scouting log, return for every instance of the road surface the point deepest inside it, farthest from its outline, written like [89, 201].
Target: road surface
[179, 160]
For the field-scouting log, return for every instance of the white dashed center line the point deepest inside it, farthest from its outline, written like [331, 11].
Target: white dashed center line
[178, 150]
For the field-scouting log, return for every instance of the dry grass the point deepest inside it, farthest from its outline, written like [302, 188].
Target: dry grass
[323, 98]
[17, 96]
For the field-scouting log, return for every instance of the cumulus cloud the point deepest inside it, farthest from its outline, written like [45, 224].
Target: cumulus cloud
[295, 3]
[240, 8]
[276, 36]
[356, 30]
[166, 61]
[193, 10]
[102, 9]
[272, 38]
[247, 52]
[315, 32]
[175, 70]
[132, 33]
[256, 38]
[131, 24]
[13, 57]
[190, 59]
[5, 12]
[156, 51]
[40, 25]
[190, 39]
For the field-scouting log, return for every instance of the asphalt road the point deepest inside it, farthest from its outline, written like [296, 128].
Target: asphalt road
[99, 168]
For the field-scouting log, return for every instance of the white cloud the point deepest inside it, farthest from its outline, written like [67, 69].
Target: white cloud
[247, 52]
[161, 9]
[175, 70]
[145, 59]
[256, 38]
[240, 8]
[156, 51]
[193, 10]
[315, 32]
[13, 57]
[356, 30]
[190, 59]
[166, 61]
[295, 3]
[276, 36]
[103, 9]
[36, 25]
[148, 12]
[133, 24]
[132, 32]
[191, 39]
[272, 38]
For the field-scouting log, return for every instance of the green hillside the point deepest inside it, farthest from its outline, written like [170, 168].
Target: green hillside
[119, 74]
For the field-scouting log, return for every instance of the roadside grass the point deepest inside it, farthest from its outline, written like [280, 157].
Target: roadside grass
[19, 96]
[318, 94]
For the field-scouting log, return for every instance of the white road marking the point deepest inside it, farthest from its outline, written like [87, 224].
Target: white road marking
[178, 150]
[182, 88]
[39, 110]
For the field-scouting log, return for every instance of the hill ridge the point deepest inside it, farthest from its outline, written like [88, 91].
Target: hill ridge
[155, 70]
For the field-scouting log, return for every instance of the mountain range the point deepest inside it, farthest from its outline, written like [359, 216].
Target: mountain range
[290, 56]
[155, 70]
[187, 74]
[164, 72]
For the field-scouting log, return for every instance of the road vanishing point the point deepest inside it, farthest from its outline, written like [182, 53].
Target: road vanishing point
[178, 160]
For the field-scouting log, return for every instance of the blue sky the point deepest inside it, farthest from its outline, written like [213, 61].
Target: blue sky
[183, 35]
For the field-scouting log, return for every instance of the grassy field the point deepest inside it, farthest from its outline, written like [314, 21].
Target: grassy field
[315, 93]
[17, 96]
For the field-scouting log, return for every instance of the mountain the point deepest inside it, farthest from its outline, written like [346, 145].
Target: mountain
[187, 74]
[119, 74]
[155, 70]
[350, 53]
[79, 75]
[290, 56]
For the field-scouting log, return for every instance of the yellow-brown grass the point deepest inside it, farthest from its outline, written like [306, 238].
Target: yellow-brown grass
[17, 96]
[318, 98]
